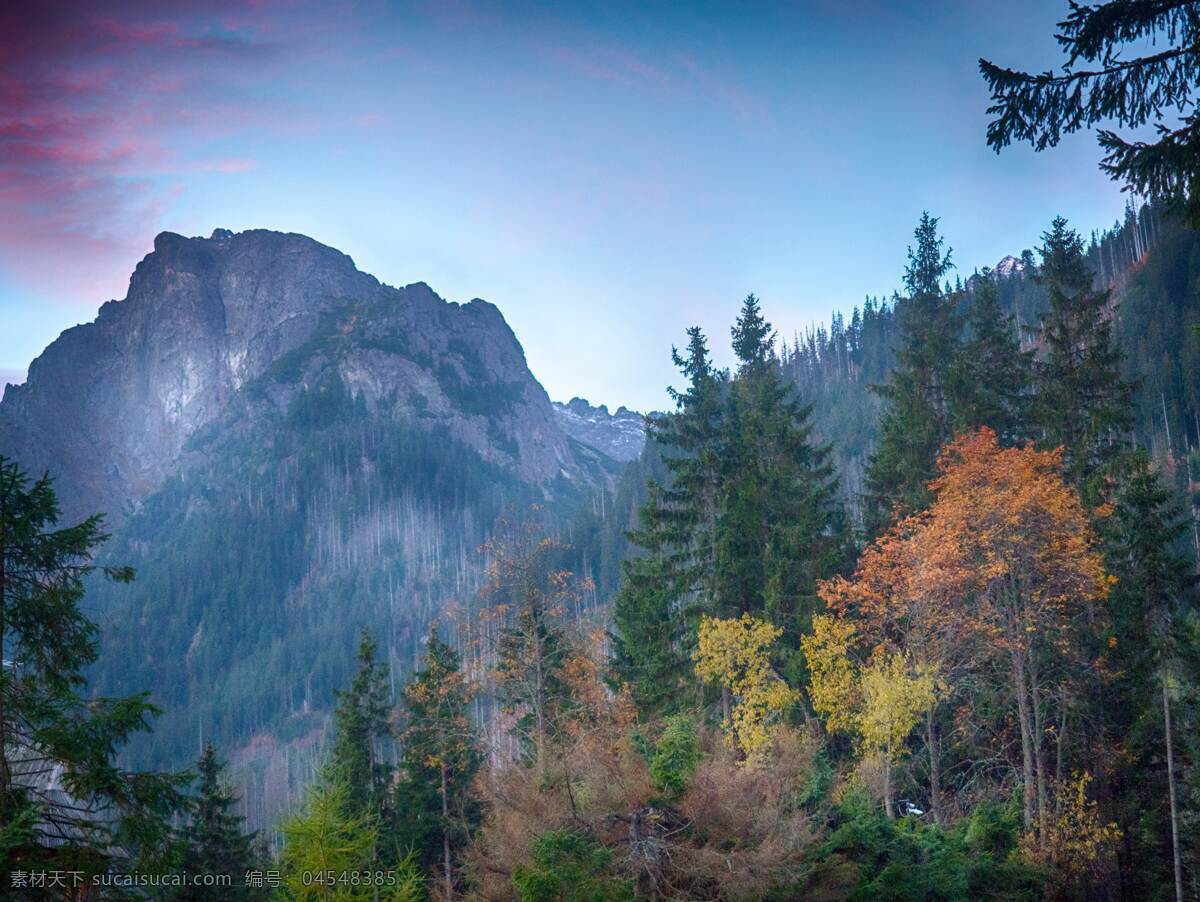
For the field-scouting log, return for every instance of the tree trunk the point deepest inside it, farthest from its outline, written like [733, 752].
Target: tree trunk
[726, 705]
[1039, 761]
[1166, 699]
[446, 836]
[1021, 689]
[887, 786]
[1061, 741]
[935, 767]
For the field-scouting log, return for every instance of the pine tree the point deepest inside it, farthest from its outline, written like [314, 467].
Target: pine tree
[1107, 77]
[436, 804]
[47, 725]
[214, 842]
[1082, 402]
[363, 737]
[992, 379]
[672, 576]
[1154, 596]
[779, 529]
[917, 417]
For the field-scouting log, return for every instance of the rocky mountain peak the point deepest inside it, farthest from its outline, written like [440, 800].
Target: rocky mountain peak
[233, 326]
[620, 435]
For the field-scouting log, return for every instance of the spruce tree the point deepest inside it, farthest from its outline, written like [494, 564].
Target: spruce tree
[436, 804]
[1083, 404]
[91, 807]
[780, 528]
[917, 415]
[1152, 602]
[362, 744]
[214, 841]
[992, 379]
[652, 642]
[672, 576]
[1109, 76]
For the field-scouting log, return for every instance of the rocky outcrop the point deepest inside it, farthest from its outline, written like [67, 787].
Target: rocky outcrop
[620, 435]
[213, 329]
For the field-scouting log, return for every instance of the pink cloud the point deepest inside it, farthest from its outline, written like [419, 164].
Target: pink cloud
[97, 115]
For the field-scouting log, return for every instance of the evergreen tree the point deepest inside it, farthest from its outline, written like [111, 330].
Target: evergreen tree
[1151, 604]
[917, 418]
[993, 376]
[1082, 402]
[324, 842]
[436, 804]
[672, 576]
[779, 529]
[1108, 77]
[363, 737]
[89, 806]
[213, 841]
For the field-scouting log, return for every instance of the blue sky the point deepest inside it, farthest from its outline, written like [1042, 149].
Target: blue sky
[607, 174]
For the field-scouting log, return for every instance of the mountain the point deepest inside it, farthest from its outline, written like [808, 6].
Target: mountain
[620, 435]
[245, 322]
[288, 452]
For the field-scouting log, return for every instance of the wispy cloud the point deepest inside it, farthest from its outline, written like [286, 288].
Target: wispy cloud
[682, 75]
[92, 109]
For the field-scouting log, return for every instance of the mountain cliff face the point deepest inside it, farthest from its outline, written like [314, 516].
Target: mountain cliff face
[288, 452]
[245, 322]
[620, 435]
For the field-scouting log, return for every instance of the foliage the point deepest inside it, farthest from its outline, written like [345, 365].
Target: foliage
[324, 842]
[435, 800]
[895, 697]
[880, 702]
[568, 867]
[64, 799]
[736, 654]
[214, 841]
[676, 756]
[1072, 844]
[1130, 90]
[870, 856]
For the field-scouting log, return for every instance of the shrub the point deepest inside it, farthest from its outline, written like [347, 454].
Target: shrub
[675, 756]
[568, 867]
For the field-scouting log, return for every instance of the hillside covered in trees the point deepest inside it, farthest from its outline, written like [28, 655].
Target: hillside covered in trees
[905, 607]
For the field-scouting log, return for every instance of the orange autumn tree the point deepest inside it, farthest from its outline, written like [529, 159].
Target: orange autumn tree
[905, 597]
[1001, 569]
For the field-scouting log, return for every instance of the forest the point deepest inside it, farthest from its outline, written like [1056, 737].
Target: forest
[904, 608]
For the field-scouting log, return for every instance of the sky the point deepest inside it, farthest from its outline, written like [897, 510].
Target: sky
[607, 173]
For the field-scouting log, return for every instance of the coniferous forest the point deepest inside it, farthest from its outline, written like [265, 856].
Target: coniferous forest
[902, 606]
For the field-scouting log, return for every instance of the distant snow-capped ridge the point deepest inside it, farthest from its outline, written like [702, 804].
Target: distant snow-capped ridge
[1010, 266]
[620, 435]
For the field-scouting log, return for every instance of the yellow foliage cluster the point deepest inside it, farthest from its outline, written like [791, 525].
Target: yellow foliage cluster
[736, 654]
[1072, 843]
[879, 703]
[895, 695]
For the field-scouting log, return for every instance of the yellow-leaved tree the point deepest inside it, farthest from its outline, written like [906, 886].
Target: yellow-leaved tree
[879, 703]
[735, 654]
